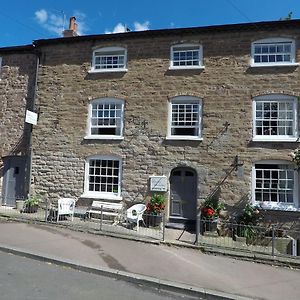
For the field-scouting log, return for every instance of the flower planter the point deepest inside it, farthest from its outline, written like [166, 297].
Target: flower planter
[30, 209]
[209, 224]
[19, 205]
[152, 220]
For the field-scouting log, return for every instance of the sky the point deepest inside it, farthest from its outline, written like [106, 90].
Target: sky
[24, 21]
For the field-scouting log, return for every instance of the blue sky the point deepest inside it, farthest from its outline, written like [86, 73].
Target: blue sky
[24, 21]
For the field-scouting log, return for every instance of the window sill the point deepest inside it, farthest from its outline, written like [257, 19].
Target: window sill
[187, 68]
[184, 138]
[253, 65]
[277, 206]
[101, 196]
[275, 139]
[104, 137]
[108, 71]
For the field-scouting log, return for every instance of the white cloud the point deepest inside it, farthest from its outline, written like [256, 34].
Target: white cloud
[141, 26]
[119, 28]
[55, 23]
[80, 17]
[41, 16]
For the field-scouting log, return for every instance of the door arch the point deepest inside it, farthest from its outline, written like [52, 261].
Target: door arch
[183, 193]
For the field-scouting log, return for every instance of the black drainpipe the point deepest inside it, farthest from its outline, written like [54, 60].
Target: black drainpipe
[32, 108]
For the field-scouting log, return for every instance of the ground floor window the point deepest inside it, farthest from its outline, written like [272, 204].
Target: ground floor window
[275, 183]
[103, 175]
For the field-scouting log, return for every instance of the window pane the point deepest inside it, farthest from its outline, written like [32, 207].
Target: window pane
[274, 183]
[276, 116]
[185, 118]
[106, 173]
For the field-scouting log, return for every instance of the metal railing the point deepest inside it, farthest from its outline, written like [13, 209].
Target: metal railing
[151, 227]
[272, 239]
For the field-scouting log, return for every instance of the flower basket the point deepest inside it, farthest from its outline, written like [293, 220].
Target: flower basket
[31, 204]
[154, 209]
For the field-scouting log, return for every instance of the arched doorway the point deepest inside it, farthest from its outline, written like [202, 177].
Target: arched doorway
[183, 194]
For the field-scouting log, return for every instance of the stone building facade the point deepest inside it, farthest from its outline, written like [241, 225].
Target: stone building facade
[17, 84]
[191, 106]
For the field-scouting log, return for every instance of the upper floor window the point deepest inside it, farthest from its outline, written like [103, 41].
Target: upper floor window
[185, 118]
[275, 118]
[103, 177]
[106, 119]
[275, 184]
[271, 52]
[109, 59]
[185, 56]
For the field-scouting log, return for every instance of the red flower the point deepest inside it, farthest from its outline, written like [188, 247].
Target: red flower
[208, 211]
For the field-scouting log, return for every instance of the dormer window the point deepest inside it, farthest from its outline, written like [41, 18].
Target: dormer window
[109, 59]
[186, 56]
[273, 52]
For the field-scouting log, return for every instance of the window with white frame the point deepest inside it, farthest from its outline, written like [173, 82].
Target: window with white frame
[184, 118]
[186, 56]
[275, 184]
[275, 118]
[275, 51]
[103, 176]
[109, 59]
[106, 118]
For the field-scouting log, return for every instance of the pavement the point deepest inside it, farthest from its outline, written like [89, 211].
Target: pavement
[166, 267]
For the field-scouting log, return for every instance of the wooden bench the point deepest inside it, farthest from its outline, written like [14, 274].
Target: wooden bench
[104, 208]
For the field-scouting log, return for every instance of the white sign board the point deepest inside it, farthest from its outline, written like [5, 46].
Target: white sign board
[31, 117]
[158, 183]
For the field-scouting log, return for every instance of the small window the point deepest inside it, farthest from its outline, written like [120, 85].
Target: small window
[109, 59]
[275, 118]
[184, 118]
[186, 56]
[106, 119]
[103, 177]
[275, 184]
[271, 52]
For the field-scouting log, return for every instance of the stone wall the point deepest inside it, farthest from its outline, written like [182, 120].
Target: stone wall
[17, 81]
[226, 87]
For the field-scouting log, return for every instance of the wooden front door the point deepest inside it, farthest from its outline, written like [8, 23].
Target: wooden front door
[13, 179]
[183, 193]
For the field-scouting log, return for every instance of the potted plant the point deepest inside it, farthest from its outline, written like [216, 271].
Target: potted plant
[154, 209]
[210, 211]
[31, 204]
[211, 208]
[247, 223]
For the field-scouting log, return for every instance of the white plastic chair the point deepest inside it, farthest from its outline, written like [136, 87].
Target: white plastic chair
[135, 214]
[66, 206]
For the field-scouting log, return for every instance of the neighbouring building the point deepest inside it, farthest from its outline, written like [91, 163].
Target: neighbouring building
[174, 111]
[17, 83]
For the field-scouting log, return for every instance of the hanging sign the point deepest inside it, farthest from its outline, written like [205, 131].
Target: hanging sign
[31, 117]
[158, 183]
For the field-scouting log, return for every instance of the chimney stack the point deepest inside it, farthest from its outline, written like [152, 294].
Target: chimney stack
[72, 31]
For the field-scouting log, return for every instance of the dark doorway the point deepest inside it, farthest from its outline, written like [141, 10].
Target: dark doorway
[13, 179]
[183, 193]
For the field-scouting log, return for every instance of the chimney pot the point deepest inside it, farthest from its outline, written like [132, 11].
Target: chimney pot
[72, 23]
[72, 31]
